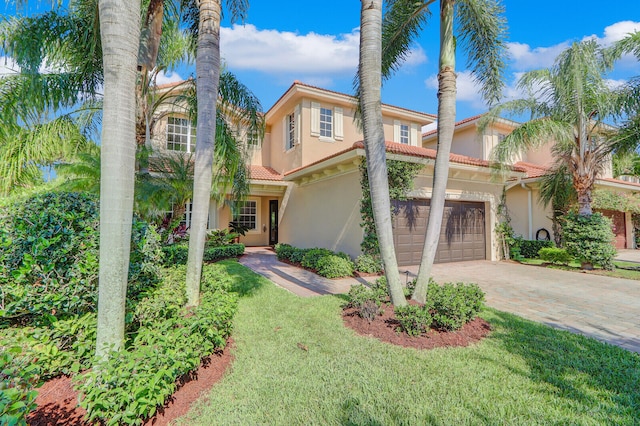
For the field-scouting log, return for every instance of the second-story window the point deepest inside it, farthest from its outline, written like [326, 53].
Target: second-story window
[291, 131]
[326, 122]
[252, 140]
[181, 135]
[404, 134]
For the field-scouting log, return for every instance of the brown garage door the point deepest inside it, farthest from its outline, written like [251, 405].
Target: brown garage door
[462, 235]
[618, 227]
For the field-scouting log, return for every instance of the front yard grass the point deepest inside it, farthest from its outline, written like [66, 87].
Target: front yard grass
[295, 363]
[628, 270]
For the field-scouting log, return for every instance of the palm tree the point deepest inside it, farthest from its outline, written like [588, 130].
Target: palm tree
[570, 105]
[481, 30]
[120, 35]
[370, 80]
[207, 14]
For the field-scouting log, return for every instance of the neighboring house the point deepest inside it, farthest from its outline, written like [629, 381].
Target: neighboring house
[523, 195]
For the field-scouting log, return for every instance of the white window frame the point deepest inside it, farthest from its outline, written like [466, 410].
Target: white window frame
[256, 214]
[412, 133]
[190, 134]
[318, 118]
[405, 134]
[253, 140]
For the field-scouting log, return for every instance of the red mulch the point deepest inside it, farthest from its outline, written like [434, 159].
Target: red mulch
[57, 401]
[384, 326]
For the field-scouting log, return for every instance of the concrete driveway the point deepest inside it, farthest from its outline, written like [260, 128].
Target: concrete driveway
[604, 308]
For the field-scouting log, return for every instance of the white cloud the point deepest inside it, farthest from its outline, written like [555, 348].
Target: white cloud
[527, 58]
[272, 51]
[615, 84]
[166, 78]
[616, 32]
[8, 66]
[467, 89]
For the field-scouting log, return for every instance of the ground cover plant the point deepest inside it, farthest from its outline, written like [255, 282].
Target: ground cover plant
[322, 261]
[324, 373]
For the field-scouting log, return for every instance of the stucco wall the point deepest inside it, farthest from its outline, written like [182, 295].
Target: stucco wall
[518, 205]
[326, 214]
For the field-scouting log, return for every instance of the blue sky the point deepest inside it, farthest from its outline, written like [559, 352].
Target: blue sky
[317, 43]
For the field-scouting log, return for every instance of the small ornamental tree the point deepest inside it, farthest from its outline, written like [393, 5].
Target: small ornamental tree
[589, 239]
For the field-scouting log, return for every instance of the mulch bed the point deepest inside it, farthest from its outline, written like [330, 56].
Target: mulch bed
[384, 327]
[57, 401]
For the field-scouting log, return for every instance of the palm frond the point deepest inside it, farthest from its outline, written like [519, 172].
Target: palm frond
[531, 135]
[482, 29]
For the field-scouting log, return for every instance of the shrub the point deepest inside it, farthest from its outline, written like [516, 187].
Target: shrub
[334, 266]
[17, 380]
[529, 248]
[360, 295]
[380, 290]
[589, 239]
[313, 256]
[49, 256]
[216, 253]
[283, 251]
[175, 254]
[297, 254]
[453, 305]
[414, 319]
[369, 264]
[555, 255]
[170, 342]
[220, 237]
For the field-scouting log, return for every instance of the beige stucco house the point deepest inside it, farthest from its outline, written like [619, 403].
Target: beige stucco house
[523, 191]
[305, 180]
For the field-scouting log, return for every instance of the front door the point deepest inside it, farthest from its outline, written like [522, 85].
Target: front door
[273, 222]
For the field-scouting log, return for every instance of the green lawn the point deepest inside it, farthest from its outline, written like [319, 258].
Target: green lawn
[524, 373]
[622, 269]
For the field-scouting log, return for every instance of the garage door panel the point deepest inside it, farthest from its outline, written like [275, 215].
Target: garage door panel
[462, 236]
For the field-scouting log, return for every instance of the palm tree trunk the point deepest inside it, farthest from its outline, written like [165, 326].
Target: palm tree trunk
[120, 33]
[208, 76]
[374, 141]
[446, 125]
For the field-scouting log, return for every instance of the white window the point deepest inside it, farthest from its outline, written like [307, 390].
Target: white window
[181, 135]
[404, 134]
[290, 131]
[247, 214]
[253, 141]
[326, 122]
[501, 137]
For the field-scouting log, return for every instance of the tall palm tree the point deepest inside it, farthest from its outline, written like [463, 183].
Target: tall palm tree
[370, 81]
[481, 31]
[570, 105]
[120, 36]
[207, 15]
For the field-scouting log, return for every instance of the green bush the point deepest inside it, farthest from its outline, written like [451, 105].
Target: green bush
[220, 237]
[555, 255]
[380, 290]
[49, 257]
[175, 254]
[313, 256]
[369, 264]
[170, 342]
[334, 266]
[529, 248]
[216, 253]
[17, 380]
[589, 239]
[453, 305]
[283, 251]
[414, 319]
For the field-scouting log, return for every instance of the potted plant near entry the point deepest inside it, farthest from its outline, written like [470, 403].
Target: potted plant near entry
[238, 230]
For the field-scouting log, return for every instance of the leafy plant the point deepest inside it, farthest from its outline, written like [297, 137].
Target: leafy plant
[333, 266]
[175, 254]
[589, 239]
[529, 248]
[453, 305]
[369, 264]
[220, 237]
[313, 256]
[17, 380]
[216, 253]
[555, 255]
[414, 319]
[237, 228]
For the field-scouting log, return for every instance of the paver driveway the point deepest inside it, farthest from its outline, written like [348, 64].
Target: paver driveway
[604, 308]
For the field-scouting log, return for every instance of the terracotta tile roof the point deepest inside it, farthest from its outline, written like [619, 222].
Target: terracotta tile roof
[620, 181]
[264, 173]
[412, 151]
[532, 170]
[459, 123]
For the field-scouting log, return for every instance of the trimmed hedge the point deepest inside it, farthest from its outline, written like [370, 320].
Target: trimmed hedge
[217, 253]
[333, 266]
[530, 248]
[589, 239]
[555, 255]
[325, 262]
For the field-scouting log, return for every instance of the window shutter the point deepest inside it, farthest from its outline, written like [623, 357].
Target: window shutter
[338, 132]
[298, 124]
[396, 131]
[285, 132]
[415, 135]
[315, 119]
